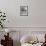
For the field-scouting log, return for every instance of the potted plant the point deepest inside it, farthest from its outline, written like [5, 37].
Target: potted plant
[2, 19]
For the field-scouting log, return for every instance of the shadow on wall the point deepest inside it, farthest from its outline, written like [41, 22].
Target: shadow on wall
[16, 43]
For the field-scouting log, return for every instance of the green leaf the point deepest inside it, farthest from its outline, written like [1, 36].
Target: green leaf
[0, 12]
[4, 13]
[2, 26]
[4, 16]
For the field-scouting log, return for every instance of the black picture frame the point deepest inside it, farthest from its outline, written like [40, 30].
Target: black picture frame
[23, 10]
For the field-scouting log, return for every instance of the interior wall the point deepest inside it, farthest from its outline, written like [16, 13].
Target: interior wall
[36, 13]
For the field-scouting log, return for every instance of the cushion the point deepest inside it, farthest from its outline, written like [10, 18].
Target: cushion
[26, 39]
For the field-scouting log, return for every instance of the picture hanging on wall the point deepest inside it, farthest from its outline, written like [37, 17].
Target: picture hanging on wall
[23, 10]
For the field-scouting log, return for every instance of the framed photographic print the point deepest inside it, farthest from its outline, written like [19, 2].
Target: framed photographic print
[23, 10]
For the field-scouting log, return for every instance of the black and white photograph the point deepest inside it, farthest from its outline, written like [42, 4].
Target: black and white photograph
[23, 10]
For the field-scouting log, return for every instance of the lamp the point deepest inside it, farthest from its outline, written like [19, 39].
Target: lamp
[7, 31]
